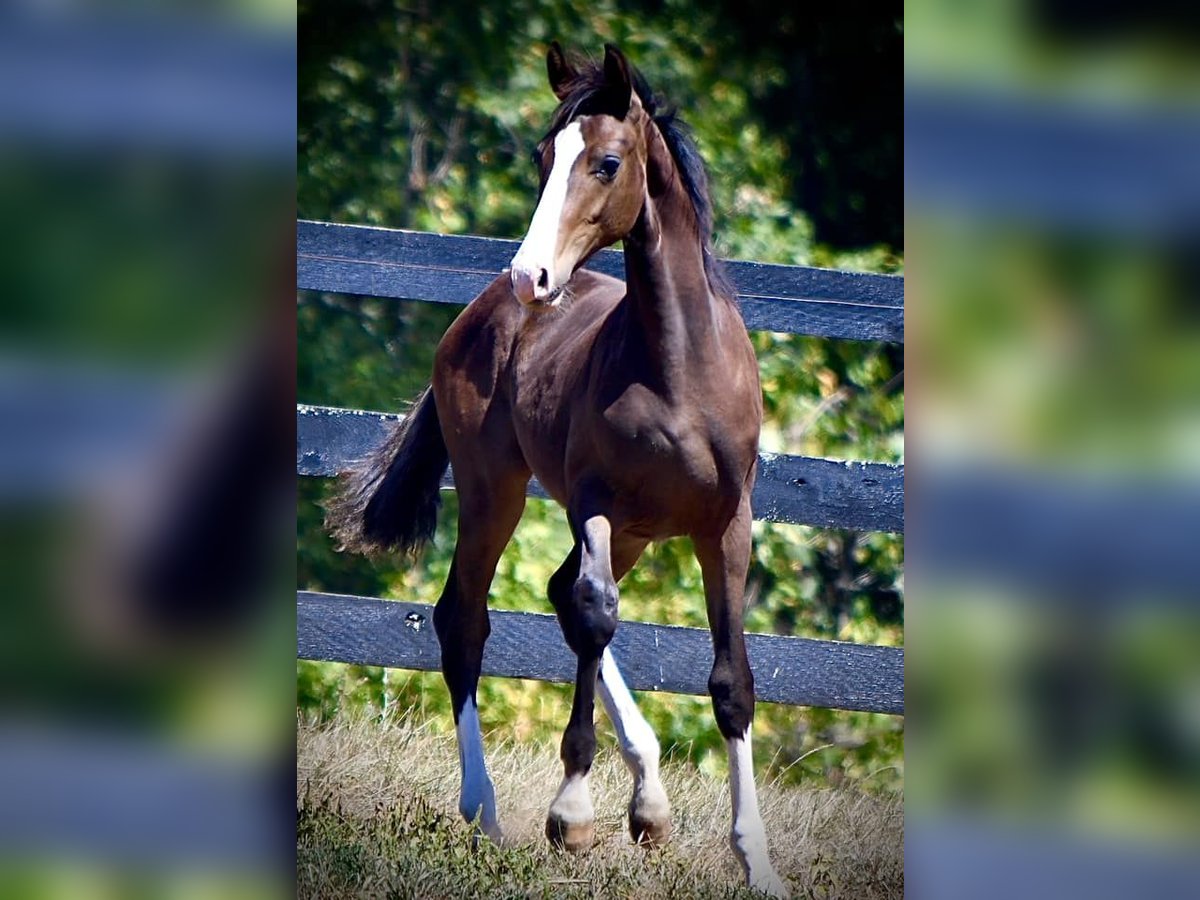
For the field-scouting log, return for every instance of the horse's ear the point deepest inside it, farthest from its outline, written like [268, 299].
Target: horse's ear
[618, 83]
[560, 70]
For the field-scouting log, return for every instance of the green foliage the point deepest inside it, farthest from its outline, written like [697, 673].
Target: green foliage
[424, 118]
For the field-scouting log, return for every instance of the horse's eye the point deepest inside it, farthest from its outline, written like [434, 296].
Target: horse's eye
[607, 170]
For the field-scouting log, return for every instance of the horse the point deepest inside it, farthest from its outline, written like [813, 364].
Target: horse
[638, 407]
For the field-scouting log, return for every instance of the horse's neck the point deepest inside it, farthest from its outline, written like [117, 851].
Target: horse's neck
[672, 301]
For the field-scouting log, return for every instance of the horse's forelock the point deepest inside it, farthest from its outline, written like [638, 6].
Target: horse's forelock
[589, 94]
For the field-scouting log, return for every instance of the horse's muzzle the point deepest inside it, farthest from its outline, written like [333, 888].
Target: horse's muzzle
[532, 285]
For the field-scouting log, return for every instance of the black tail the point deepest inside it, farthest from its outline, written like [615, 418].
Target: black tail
[389, 501]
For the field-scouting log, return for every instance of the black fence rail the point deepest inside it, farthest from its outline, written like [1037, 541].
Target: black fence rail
[798, 490]
[411, 265]
[866, 496]
[651, 657]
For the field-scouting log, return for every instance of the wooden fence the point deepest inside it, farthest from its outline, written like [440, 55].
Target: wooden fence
[866, 496]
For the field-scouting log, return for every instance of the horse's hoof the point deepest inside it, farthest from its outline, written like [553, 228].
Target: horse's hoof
[650, 818]
[648, 832]
[493, 834]
[771, 885]
[574, 837]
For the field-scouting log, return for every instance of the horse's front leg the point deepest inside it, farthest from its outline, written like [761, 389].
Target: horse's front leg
[649, 811]
[724, 561]
[587, 611]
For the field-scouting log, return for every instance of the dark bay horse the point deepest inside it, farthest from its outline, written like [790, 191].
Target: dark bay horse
[637, 405]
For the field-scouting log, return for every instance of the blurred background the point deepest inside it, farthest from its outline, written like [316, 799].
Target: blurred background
[424, 116]
[146, 369]
[1052, 208]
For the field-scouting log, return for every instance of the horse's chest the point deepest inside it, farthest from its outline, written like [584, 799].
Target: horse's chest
[646, 433]
[672, 457]
[664, 453]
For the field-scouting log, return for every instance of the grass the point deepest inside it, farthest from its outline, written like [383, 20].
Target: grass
[377, 817]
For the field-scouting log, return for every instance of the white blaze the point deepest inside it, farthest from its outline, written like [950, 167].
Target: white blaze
[537, 250]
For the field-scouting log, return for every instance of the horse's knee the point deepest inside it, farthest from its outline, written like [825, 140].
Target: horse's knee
[732, 690]
[594, 605]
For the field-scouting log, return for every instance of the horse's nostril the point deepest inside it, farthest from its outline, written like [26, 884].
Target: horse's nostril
[543, 279]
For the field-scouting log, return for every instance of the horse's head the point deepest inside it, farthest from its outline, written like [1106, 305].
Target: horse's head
[593, 174]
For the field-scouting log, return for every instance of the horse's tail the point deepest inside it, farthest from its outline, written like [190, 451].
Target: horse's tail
[389, 501]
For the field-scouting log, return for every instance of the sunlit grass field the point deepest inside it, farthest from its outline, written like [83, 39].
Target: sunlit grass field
[377, 797]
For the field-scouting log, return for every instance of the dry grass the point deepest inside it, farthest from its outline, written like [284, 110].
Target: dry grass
[378, 817]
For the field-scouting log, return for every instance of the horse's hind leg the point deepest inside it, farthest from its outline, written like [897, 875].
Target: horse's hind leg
[649, 811]
[487, 516]
[724, 561]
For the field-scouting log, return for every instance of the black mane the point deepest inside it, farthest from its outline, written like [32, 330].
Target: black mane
[589, 95]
